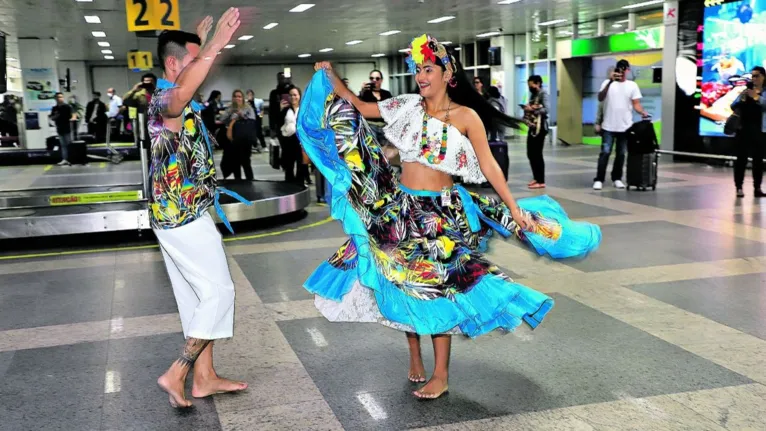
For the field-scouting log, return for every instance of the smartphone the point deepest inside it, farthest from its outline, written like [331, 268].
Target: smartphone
[286, 98]
[749, 85]
[287, 72]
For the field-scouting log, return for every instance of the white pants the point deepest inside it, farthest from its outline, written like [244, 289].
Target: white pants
[199, 272]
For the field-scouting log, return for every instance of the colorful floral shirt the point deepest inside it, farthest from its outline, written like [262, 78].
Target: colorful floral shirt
[182, 170]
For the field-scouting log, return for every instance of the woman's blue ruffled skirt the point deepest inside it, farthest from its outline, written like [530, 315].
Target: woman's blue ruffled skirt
[410, 262]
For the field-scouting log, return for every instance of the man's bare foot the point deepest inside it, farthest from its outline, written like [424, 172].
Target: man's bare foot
[204, 387]
[175, 389]
[435, 388]
[417, 372]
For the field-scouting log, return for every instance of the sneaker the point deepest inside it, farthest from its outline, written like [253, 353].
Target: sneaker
[619, 184]
[64, 163]
[740, 193]
[598, 185]
[759, 193]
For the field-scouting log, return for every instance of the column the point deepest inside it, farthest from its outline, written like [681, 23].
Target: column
[504, 75]
[601, 27]
[632, 21]
[39, 74]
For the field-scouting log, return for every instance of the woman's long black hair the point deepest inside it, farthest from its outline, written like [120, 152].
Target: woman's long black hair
[213, 95]
[464, 94]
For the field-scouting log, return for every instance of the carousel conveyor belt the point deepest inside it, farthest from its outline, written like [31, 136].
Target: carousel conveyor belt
[269, 199]
[69, 196]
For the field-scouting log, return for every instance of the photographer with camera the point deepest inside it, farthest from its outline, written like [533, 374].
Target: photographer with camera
[371, 92]
[749, 106]
[620, 97]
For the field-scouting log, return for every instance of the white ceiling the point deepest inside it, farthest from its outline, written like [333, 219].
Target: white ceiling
[330, 24]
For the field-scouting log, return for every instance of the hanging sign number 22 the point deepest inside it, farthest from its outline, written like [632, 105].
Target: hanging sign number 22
[147, 15]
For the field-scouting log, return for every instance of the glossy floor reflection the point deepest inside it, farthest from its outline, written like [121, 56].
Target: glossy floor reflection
[660, 329]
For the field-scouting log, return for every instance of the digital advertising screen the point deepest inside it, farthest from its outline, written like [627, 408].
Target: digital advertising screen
[733, 42]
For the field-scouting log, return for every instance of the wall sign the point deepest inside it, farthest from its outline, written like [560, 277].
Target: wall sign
[148, 15]
[639, 40]
[140, 60]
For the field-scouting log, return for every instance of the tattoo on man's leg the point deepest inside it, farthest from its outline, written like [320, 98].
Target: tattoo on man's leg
[191, 351]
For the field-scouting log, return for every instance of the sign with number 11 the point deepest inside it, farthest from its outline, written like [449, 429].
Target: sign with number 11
[148, 15]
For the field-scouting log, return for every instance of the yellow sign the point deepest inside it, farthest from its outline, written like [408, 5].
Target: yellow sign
[132, 112]
[94, 198]
[147, 15]
[140, 60]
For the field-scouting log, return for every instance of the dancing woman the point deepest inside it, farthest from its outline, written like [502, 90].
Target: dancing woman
[413, 262]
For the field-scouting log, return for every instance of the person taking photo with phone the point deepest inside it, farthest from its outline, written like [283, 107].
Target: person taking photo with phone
[750, 107]
[373, 93]
[620, 97]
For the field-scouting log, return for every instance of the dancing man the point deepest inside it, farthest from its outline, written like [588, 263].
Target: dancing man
[183, 188]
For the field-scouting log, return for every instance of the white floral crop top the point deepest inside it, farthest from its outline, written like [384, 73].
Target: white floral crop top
[405, 120]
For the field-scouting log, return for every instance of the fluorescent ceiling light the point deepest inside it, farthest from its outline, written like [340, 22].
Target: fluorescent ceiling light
[458, 48]
[555, 21]
[326, 50]
[92, 19]
[405, 50]
[378, 55]
[230, 46]
[84, 1]
[616, 25]
[302, 7]
[449, 42]
[508, 1]
[353, 42]
[304, 55]
[488, 34]
[246, 37]
[642, 4]
[108, 57]
[106, 51]
[441, 19]
[98, 34]
[12, 59]
[390, 32]
[566, 33]
[624, 21]
[104, 44]
[269, 26]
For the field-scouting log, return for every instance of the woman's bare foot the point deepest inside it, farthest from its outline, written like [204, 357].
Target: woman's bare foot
[175, 389]
[204, 387]
[435, 388]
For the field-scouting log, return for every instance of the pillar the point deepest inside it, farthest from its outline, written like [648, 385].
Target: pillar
[632, 17]
[39, 75]
[504, 75]
[601, 27]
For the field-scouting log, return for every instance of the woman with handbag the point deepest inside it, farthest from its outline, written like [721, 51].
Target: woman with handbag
[749, 110]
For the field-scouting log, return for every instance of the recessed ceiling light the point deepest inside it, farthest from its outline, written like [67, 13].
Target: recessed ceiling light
[624, 21]
[92, 19]
[405, 50]
[508, 1]
[104, 44]
[555, 21]
[302, 7]
[488, 34]
[642, 4]
[326, 50]
[378, 55]
[106, 51]
[390, 32]
[441, 19]
[566, 33]
[449, 42]
[353, 42]
[246, 37]
[84, 1]
[98, 34]
[230, 46]
[108, 57]
[304, 55]
[616, 25]
[458, 48]
[271, 25]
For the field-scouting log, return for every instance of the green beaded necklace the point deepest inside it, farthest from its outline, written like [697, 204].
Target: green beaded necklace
[433, 158]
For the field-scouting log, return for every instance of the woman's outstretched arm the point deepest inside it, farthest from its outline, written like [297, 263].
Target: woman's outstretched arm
[367, 109]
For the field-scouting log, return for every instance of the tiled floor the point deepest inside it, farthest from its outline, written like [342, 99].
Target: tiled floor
[661, 329]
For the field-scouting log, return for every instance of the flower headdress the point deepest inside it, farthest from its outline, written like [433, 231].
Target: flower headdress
[426, 47]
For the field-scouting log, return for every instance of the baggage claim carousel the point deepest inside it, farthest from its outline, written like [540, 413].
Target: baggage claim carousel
[71, 207]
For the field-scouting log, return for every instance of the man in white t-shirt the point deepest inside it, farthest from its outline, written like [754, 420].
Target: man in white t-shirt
[620, 98]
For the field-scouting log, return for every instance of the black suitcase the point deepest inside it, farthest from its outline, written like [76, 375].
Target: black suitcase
[642, 170]
[77, 153]
[274, 159]
[500, 153]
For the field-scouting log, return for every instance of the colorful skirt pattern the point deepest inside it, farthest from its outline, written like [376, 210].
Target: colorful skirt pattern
[411, 262]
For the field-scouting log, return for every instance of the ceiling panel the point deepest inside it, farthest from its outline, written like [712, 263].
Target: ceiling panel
[329, 24]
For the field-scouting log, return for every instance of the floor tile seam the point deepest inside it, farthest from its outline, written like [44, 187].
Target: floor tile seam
[585, 197]
[726, 227]
[670, 309]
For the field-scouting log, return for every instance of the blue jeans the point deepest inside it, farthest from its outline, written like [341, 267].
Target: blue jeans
[606, 150]
[64, 141]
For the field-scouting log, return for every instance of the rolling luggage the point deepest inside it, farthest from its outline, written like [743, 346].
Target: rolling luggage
[642, 156]
[274, 159]
[78, 153]
[500, 153]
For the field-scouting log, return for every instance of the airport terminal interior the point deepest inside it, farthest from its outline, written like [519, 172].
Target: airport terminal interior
[662, 326]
